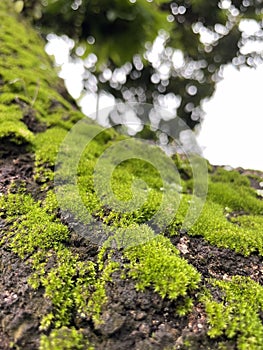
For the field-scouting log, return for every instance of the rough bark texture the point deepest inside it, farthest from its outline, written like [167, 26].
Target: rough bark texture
[195, 289]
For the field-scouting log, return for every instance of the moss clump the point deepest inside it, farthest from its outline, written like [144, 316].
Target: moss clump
[11, 126]
[157, 264]
[233, 190]
[240, 198]
[99, 297]
[68, 285]
[33, 229]
[131, 193]
[36, 234]
[28, 81]
[46, 147]
[241, 231]
[238, 314]
[232, 177]
[64, 339]
[245, 237]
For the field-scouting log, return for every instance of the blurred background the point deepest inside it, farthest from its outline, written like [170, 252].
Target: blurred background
[200, 60]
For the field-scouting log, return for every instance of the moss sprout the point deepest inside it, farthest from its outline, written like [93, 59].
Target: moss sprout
[157, 264]
[238, 314]
[64, 339]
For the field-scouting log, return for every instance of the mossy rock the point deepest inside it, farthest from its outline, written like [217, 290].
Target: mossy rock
[91, 259]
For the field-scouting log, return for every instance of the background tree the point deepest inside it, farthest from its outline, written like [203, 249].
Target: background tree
[196, 39]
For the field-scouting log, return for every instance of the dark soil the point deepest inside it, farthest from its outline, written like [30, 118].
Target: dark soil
[29, 117]
[133, 319]
[16, 168]
[213, 262]
[21, 307]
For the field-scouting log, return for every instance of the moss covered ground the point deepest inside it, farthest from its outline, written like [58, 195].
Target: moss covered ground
[140, 287]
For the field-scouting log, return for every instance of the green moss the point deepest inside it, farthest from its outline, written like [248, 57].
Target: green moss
[34, 228]
[241, 198]
[183, 166]
[244, 238]
[46, 148]
[8, 98]
[99, 297]
[15, 132]
[28, 80]
[131, 193]
[63, 118]
[232, 177]
[157, 264]
[231, 217]
[241, 233]
[67, 286]
[11, 126]
[36, 234]
[238, 314]
[64, 339]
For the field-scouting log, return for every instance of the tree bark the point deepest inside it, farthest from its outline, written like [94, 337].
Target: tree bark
[60, 289]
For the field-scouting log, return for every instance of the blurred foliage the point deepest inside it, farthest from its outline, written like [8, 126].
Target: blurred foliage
[154, 51]
[112, 24]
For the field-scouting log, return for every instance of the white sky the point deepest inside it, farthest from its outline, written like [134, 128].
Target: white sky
[232, 131]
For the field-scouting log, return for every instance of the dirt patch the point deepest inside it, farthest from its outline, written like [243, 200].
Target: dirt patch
[16, 165]
[140, 320]
[17, 168]
[31, 121]
[29, 117]
[21, 307]
[213, 262]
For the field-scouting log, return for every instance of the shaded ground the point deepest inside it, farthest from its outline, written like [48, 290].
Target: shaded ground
[21, 307]
[133, 320]
[16, 165]
[213, 262]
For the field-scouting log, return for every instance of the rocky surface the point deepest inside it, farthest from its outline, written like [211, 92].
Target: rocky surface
[34, 122]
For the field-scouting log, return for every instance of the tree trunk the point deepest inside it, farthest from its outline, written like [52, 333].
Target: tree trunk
[76, 273]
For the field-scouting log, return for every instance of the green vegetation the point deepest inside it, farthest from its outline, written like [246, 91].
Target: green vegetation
[157, 263]
[231, 217]
[238, 314]
[238, 199]
[29, 84]
[64, 339]
[242, 235]
[37, 235]
[11, 126]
